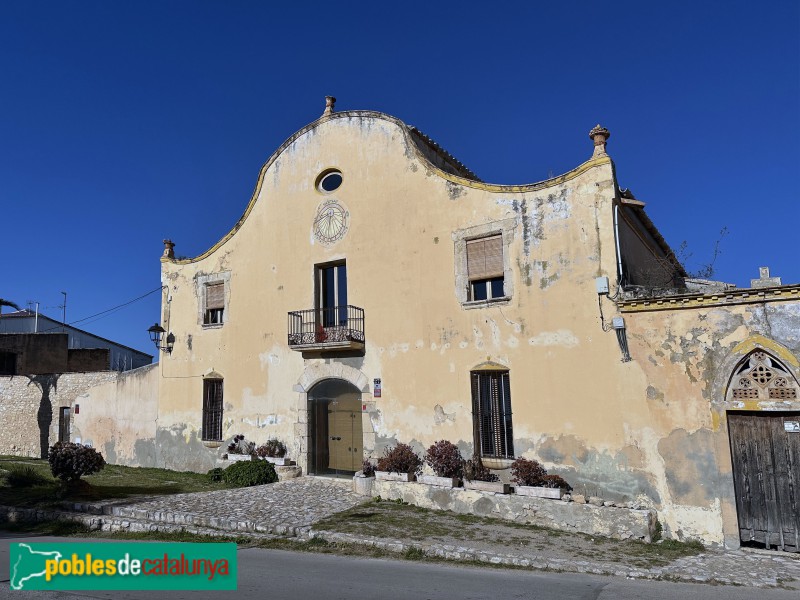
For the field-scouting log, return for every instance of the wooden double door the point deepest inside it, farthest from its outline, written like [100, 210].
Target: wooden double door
[765, 449]
[337, 433]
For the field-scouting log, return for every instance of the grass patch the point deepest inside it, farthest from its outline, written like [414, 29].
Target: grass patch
[58, 528]
[401, 521]
[414, 553]
[113, 482]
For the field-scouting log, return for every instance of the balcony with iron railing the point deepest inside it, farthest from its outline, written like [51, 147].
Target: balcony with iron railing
[334, 328]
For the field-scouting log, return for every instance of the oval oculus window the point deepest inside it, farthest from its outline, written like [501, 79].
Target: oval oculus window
[329, 181]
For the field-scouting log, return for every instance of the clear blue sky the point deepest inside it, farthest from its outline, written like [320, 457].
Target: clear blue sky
[122, 123]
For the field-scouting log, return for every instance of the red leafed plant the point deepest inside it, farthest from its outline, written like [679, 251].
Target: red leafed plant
[527, 472]
[475, 470]
[367, 468]
[400, 459]
[555, 481]
[445, 459]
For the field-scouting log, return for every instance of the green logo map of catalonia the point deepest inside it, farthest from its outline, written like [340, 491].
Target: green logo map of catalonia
[30, 564]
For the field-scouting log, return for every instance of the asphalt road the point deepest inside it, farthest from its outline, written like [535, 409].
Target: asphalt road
[276, 574]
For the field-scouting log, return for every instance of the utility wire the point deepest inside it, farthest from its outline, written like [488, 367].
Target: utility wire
[107, 311]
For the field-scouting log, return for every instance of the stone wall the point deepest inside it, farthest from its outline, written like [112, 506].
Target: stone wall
[29, 408]
[608, 521]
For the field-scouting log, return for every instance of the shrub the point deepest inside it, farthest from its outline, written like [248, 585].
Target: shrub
[273, 448]
[367, 468]
[555, 481]
[400, 459]
[475, 470]
[527, 472]
[249, 473]
[215, 475]
[19, 476]
[445, 459]
[70, 462]
[239, 445]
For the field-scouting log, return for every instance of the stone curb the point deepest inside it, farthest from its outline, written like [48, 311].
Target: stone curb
[190, 519]
[538, 562]
[120, 519]
[111, 523]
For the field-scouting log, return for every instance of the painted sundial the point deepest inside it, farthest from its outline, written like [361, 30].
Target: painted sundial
[331, 222]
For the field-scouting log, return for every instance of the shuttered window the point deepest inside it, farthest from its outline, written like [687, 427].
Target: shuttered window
[212, 409]
[491, 414]
[215, 295]
[215, 303]
[485, 258]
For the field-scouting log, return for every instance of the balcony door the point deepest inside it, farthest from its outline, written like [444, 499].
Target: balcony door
[331, 303]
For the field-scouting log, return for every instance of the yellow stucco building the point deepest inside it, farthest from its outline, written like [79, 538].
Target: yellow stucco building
[375, 291]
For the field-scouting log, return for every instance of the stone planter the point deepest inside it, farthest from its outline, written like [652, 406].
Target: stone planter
[387, 476]
[539, 492]
[239, 457]
[447, 482]
[496, 487]
[363, 485]
[283, 461]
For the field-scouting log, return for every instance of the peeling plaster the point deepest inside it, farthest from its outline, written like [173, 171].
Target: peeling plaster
[561, 337]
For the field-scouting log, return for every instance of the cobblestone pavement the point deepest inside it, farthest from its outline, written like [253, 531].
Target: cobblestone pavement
[293, 507]
[290, 506]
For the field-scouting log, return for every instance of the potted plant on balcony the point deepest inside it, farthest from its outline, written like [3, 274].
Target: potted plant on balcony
[532, 480]
[273, 451]
[446, 461]
[478, 477]
[362, 480]
[240, 449]
[400, 463]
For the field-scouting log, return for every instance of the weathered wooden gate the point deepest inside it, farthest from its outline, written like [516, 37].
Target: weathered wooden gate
[765, 449]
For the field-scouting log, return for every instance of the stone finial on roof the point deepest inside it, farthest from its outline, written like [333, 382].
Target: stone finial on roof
[330, 101]
[764, 279]
[600, 136]
[169, 249]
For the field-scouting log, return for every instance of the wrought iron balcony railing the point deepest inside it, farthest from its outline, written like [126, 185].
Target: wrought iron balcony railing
[333, 328]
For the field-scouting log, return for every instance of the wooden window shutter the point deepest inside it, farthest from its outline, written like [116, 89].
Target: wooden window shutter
[215, 296]
[485, 258]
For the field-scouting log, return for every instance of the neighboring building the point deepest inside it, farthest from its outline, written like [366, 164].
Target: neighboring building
[375, 291]
[42, 353]
[119, 357]
[46, 369]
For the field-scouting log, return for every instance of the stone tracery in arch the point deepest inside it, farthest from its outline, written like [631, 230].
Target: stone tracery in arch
[761, 376]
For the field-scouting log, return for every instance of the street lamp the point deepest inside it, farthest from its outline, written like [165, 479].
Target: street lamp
[156, 331]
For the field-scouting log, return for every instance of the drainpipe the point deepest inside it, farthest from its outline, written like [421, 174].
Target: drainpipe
[616, 240]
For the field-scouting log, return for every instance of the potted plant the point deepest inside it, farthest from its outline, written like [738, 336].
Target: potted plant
[478, 477]
[447, 463]
[532, 480]
[399, 463]
[240, 449]
[362, 480]
[273, 451]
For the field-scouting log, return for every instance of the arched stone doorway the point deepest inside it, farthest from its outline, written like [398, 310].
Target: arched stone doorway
[764, 433]
[335, 428]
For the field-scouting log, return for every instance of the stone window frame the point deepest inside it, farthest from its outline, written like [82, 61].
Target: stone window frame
[202, 281]
[505, 228]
